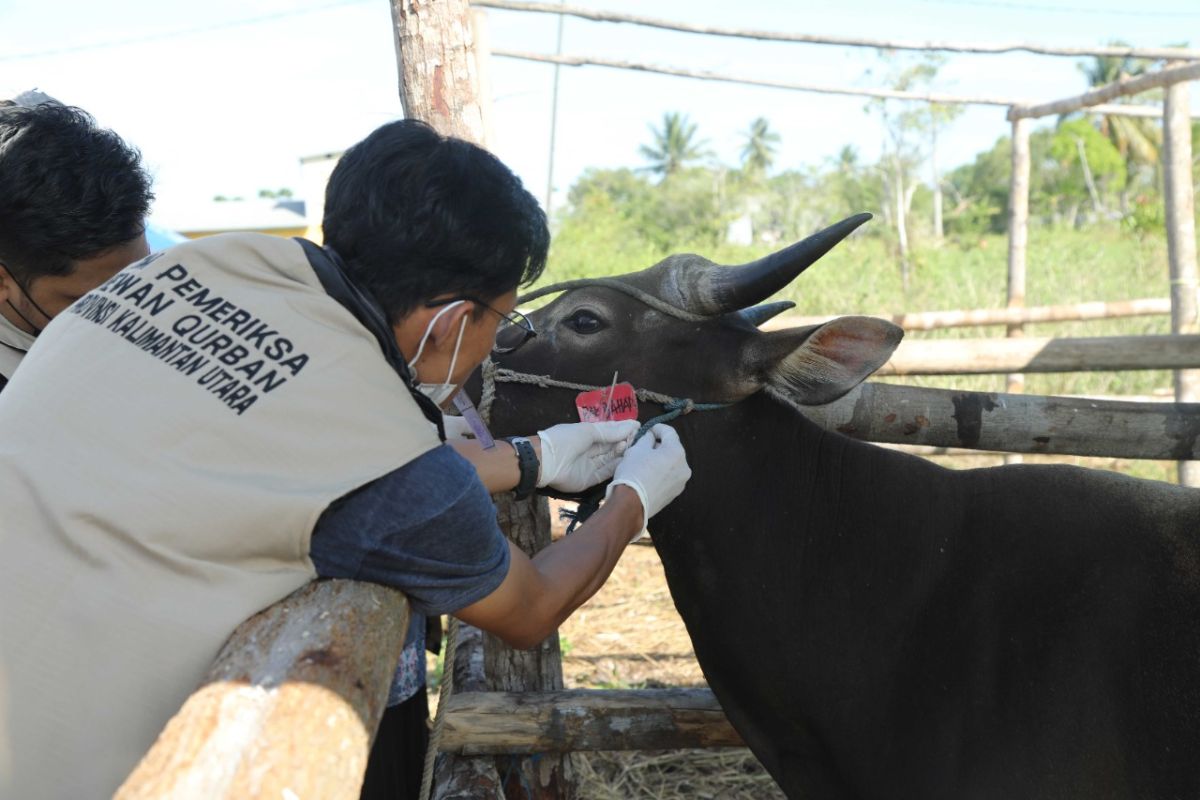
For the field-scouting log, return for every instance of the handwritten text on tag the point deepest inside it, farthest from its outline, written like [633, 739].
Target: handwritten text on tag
[617, 402]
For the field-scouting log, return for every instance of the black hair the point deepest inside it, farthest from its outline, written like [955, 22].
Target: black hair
[415, 215]
[69, 190]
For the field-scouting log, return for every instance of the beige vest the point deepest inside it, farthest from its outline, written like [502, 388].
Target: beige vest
[163, 459]
[14, 343]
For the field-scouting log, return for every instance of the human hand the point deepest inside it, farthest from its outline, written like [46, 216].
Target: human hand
[656, 468]
[579, 455]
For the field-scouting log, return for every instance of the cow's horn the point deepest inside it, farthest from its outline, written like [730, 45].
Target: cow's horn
[734, 288]
[759, 314]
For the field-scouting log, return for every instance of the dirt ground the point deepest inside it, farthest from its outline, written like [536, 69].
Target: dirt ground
[629, 636]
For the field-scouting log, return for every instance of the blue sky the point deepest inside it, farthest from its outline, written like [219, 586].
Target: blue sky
[228, 101]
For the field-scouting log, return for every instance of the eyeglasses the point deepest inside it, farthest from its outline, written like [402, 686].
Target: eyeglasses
[515, 328]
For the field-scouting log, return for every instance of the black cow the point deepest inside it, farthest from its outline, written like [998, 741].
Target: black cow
[874, 625]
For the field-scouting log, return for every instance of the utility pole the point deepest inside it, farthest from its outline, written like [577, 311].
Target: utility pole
[554, 118]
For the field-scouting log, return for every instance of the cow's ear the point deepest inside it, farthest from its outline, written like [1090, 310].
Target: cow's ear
[818, 365]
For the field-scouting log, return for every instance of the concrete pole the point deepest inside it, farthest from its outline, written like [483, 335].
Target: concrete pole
[1180, 199]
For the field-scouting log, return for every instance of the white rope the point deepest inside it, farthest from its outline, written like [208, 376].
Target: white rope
[439, 719]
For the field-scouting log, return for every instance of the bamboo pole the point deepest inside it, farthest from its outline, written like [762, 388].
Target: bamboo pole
[887, 94]
[981, 317]
[1120, 88]
[1014, 423]
[1020, 356]
[502, 723]
[1180, 199]
[1153, 53]
[290, 705]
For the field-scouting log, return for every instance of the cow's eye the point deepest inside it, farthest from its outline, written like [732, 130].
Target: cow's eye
[584, 321]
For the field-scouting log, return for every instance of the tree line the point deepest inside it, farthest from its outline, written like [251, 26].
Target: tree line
[1087, 170]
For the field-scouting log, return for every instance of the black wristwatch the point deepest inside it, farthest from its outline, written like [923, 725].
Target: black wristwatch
[527, 461]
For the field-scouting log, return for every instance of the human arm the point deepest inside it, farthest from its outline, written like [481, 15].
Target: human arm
[497, 467]
[572, 457]
[429, 529]
[539, 593]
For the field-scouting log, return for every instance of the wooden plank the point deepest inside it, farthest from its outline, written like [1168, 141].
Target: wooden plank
[880, 412]
[586, 719]
[289, 707]
[1121, 88]
[843, 41]
[1179, 196]
[987, 356]
[981, 317]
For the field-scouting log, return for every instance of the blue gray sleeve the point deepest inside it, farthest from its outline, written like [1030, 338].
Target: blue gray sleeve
[428, 529]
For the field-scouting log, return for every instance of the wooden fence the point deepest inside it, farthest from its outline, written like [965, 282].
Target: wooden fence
[290, 706]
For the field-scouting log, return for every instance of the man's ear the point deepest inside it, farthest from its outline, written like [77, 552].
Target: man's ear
[449, 323]
[817, 365]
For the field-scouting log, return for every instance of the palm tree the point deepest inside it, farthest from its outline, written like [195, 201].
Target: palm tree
[674, 145]
[1137, 139]
[758, 154]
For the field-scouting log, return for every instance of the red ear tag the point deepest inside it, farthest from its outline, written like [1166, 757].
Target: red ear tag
[611, 403]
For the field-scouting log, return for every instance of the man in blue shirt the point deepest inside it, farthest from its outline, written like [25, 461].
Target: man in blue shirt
[440, 234]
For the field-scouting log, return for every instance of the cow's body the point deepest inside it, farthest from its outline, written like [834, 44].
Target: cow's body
[879, 627]
[874, 625]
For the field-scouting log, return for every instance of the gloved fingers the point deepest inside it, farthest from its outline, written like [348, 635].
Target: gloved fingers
[615, 431]
[665, 434]
[644, 444]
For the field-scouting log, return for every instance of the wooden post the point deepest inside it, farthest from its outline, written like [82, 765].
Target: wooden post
[439, 80]
[551, 776]
[440, 83]
[1018, 241]
[1180, 200]
[289, 707]
[485, 664]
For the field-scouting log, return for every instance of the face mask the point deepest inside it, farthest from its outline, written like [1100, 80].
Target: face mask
[439, 393]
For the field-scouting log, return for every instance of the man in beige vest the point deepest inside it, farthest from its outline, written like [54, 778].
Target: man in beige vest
[73, 204]
[218, 424]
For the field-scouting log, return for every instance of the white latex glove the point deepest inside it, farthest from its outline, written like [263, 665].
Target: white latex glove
[456, 428]
[578, 455]
[656, 468]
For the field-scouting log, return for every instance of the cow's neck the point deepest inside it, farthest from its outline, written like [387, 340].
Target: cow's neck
[784, 519]
[769, 473]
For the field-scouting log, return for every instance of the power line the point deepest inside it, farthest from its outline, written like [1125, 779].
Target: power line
[1055, 9]
[156, 37]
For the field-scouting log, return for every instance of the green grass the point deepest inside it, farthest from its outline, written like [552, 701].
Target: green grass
[861, 276]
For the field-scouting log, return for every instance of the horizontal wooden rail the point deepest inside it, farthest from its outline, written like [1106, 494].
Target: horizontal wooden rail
[1013, 423]
[1114, 109]
[289, 707]
[1125, 87]
[597, 15]
[1094, 354]
[975, 317]
[485, 723]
